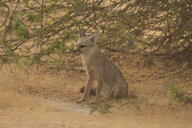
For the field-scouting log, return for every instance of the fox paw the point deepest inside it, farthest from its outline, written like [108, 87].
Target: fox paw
[80, 101]
[94, 103]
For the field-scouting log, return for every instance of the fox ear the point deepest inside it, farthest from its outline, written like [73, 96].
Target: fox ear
[94, 37]
[81, 33]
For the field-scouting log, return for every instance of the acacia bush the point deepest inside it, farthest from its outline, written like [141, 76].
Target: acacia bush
[32, 29]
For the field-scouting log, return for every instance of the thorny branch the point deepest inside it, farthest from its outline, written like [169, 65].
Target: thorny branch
[152, 25]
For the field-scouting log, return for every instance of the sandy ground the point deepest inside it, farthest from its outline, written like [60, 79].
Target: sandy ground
[44, 100]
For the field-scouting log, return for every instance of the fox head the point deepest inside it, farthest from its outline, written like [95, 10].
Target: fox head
[86, 43]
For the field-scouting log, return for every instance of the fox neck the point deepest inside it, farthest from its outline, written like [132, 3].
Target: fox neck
[88, 55]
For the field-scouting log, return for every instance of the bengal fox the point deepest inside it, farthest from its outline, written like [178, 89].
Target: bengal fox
[99, 68]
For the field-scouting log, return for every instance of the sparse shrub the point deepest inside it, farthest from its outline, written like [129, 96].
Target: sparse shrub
[37, 29]
[103, 109]
[178, 94]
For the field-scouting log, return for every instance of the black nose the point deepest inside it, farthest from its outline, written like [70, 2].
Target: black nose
[80, 46]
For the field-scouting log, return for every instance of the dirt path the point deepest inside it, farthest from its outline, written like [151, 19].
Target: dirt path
[35, 101]
[61, 115]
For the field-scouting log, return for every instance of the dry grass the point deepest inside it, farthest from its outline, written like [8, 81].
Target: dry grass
[19, 89]
[12, 99]
[9, 96]
[152, 108]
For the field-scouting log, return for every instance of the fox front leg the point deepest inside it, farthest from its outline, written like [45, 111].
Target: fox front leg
[87, 89]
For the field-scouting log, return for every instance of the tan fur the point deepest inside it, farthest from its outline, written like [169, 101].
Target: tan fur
[99, 68]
